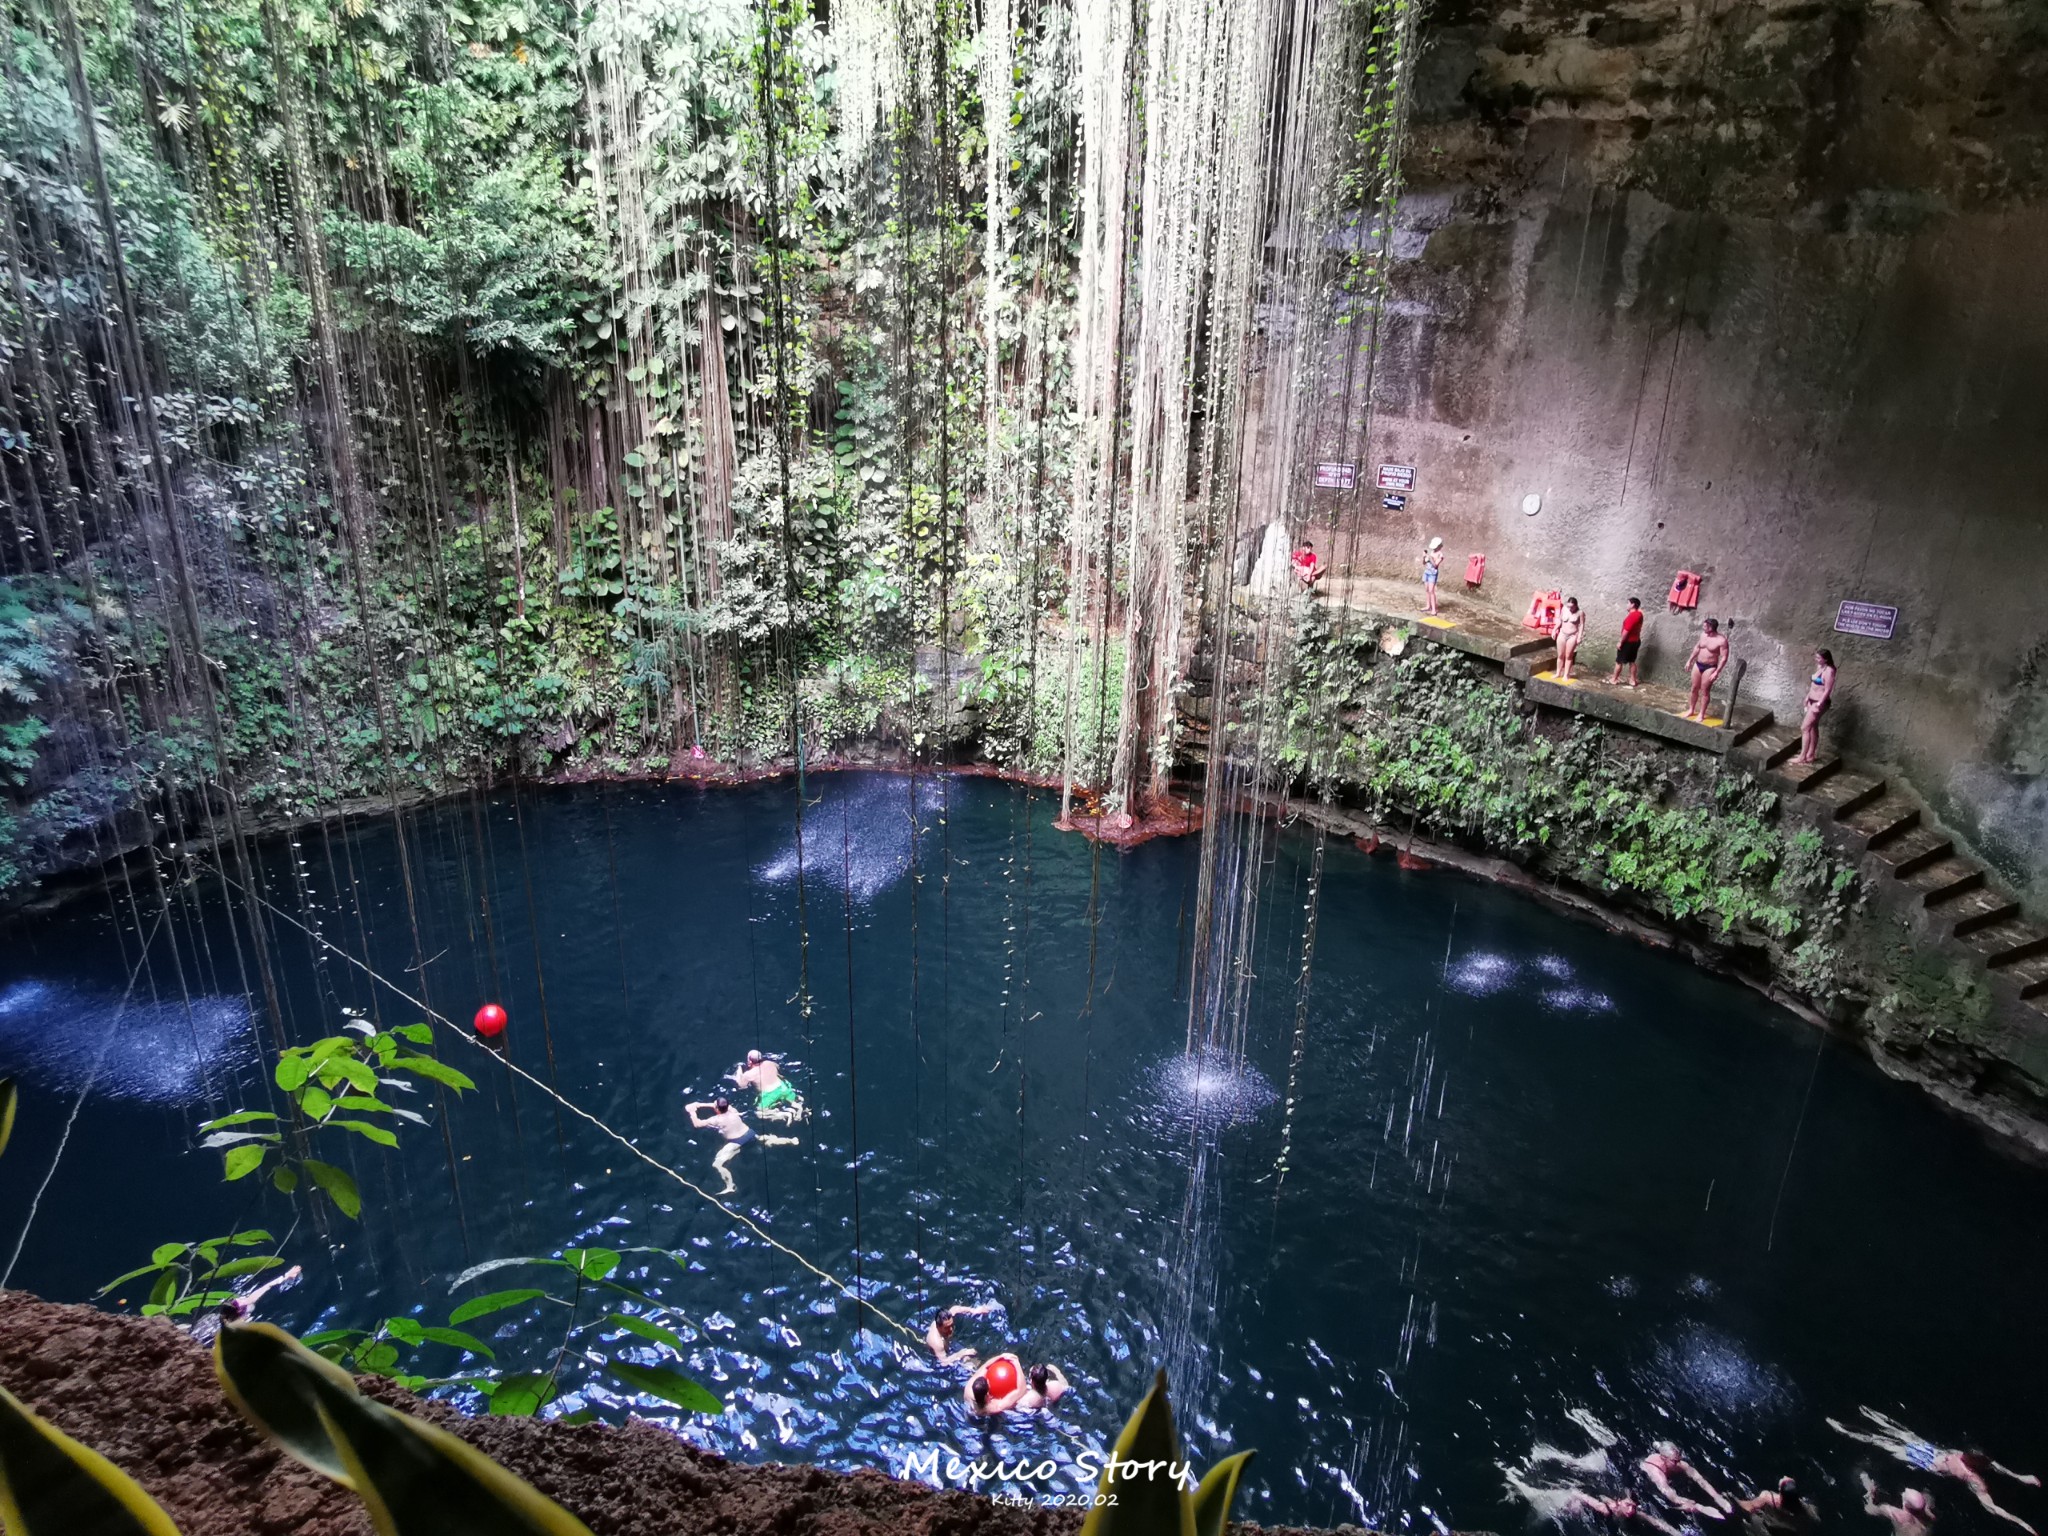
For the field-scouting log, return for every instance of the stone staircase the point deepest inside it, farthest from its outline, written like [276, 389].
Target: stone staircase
[1966, 909]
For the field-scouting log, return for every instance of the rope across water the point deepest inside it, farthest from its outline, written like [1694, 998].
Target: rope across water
[741, 1217]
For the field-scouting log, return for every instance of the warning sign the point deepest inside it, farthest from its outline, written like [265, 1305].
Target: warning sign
[1337, 476]
[1397, 477]
[1872, 619]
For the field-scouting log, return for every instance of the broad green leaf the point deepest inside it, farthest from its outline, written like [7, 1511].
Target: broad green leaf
[164, 1292]
[328, 1336]
[285, 1180]
[1152, 1504]
[419, 1480]
[340, 1188]
[253, 1265]
[1218, 1490]
[50, 1485]
[455, 1338]
[363, 1104]
[292, 1072]
[316, 1103]
[133, 1274]
[240, 1117]
[522, 1396]
[276, 1382]
[9, 1099]
[164, 1253]
[439, 1071]
[418, 1034]
[221, 1139]
[654, 1333]
[405, 1329]
[376, 1133]
[669, 1385]
[595, 1263]
[488, 1265]
[242, 1161]
[496, 1301]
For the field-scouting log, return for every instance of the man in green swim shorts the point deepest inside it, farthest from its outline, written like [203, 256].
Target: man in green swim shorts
[778, 1097]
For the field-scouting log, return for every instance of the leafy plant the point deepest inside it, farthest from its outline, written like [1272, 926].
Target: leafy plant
[1141, 1493]
[331, 1083]
[185, 1278]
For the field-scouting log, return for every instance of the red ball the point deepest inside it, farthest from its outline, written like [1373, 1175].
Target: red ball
[1002, 1377]
[490, 1021]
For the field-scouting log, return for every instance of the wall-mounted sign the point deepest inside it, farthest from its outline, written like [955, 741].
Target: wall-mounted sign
[1872, 619]
[1397, 477]
[1337, 477]
[1394, 501]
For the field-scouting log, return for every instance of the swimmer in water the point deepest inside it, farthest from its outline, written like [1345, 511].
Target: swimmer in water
[1043, 1387]
[778, 1097]
[980, 1392]
[1664, 1463]
[1593, 1463]
[1561, 1504]
[1780, 1509]
[940, 1335]
[1966, 1467]
[720, 1116]
[1913, 1515]
[239, 1309]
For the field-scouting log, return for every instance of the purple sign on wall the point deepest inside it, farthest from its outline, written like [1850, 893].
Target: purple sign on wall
[1337, 476]
[1872, 619]
[1397, 477]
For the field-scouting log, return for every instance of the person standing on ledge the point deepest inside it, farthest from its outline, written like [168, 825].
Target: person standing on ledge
[1709, 656]
[1820, 693]
[1432, 565]
[1631, 647]
[1571, 629]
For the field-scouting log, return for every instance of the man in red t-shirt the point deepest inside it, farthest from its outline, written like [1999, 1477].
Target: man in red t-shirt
[1631, 646]
[1308, 570]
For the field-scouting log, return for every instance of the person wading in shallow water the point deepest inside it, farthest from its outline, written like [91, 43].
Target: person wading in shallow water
[763, 1074]
[1913, 1515]
[939, 1337]
[720, 1116]
[1664, 1463]
[1966, 1467]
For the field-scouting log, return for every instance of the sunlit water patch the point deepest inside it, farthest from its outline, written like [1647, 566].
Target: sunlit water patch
[66, 1039]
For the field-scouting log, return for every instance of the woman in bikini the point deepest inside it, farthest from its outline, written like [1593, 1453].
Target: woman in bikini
[1820, 693]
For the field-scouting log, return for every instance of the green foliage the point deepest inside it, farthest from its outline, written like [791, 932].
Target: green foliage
[332, 1084]
[50, 1485]
[1140, 1492]
[184, 1278]
[414, 1478]
[1432, 740]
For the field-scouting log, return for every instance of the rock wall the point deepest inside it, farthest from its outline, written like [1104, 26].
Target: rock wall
[1753, 290]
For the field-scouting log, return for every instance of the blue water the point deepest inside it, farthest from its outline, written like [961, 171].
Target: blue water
[1534, 1169]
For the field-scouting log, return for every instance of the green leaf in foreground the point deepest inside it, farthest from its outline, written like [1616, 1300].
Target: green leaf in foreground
[496, 1301]
[339, 1187]
[50, 1485]
[668, 1385]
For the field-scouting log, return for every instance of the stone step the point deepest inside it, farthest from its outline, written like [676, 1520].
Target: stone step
[1946, 880]
[1996, 938]
[1775, 745]
[2028, 943]
[2031, 976]
[1808, 776]
[1755, 730]
[1849, 791]
[1978, 909]
[1919, 850]
[1884, 821]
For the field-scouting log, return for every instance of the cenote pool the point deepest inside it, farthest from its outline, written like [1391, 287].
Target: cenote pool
[1536, 1173]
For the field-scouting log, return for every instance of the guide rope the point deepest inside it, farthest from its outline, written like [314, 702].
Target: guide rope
[861, 1303]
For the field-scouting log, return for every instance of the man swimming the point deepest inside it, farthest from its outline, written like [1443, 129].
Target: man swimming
[778, 1098]
[1043, 1387]
[1780, 1509]
[980, 1394]
[1913, 1515]
[1966, 1467]
[720, 1116]
[940, 1335]
[1664, 1463]
[1561, 1504]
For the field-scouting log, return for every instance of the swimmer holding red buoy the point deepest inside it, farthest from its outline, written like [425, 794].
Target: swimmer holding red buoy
[778, 1099]
[720, 1116]
[997, 1387]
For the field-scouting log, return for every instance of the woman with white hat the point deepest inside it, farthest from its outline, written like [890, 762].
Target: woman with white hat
[1432, 563]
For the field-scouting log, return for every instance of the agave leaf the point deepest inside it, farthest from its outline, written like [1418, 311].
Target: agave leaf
[1146, 1504]
[8, 1099]
[50, 1485]
[1217, 1492]
[669, 1385]
[273, 1379]
[419, 1480]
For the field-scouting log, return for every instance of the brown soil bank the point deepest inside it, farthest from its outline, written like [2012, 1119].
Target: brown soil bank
[143, 1393]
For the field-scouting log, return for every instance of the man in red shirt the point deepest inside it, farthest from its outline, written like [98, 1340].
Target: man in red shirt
[1308, 570]
[1631, 646]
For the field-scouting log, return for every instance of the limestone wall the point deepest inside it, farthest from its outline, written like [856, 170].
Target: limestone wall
[1759, 291]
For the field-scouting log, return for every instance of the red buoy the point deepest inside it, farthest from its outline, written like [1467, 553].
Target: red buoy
[490, 1021]
[1002, 1377]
